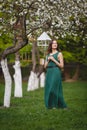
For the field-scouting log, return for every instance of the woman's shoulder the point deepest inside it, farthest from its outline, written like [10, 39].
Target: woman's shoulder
[60, 54]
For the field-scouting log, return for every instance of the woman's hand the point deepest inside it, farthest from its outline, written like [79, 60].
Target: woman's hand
[48, 59]
[51, 58]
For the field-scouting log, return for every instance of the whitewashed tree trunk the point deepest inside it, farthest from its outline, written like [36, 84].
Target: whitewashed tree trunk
[17, 79]
[42, 80]
[36, 80]
[33, 82]
[8, 83]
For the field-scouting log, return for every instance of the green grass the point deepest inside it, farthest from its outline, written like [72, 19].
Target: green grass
[29, 112]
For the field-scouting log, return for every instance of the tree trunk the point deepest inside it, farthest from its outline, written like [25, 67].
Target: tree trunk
[33, 82]
[42, 79]
[20, 32]
[17, 79]
[8, 83]
[19, 42]
[66, 73]
[76, 75]
[34, 57]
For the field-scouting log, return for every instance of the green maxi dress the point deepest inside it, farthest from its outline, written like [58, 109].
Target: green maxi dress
[53, 85]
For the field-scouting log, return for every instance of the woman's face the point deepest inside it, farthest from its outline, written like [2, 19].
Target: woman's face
[54, 45]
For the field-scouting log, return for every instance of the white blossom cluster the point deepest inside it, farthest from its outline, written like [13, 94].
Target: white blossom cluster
[60, 16]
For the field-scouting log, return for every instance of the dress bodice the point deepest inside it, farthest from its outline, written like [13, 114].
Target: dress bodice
[51, 63]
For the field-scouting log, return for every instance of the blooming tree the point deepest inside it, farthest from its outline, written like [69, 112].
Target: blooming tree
[29, 17]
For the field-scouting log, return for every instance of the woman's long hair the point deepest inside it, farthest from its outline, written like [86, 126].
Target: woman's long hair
[49, 50]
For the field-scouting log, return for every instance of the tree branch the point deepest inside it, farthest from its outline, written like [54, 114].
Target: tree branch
[14, 49]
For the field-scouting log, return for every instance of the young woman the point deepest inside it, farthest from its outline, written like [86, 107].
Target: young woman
[53, 82]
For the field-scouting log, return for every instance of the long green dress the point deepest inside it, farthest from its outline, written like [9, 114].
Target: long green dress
[53, 85]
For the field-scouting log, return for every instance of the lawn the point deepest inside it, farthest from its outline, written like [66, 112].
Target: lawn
[29, 112]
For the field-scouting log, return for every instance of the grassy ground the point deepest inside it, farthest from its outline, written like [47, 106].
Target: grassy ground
[29, 112]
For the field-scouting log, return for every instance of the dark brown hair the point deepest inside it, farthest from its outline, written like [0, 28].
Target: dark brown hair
[49, 50]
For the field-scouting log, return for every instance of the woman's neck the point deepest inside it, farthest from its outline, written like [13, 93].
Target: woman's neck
[54, 50]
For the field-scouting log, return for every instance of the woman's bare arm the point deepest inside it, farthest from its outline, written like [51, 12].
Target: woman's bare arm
[61, 61]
